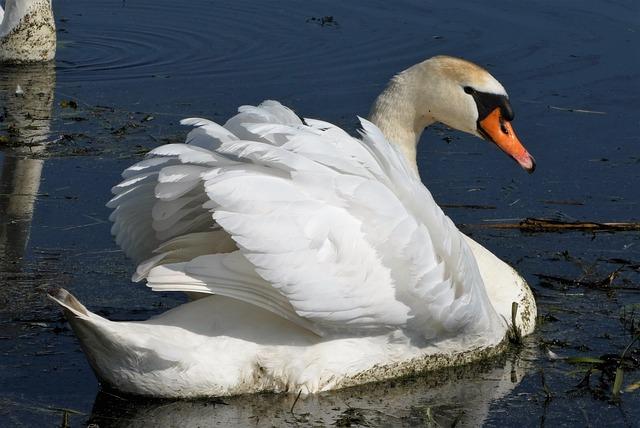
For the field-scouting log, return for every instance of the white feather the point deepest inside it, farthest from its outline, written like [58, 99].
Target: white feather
[316, 258]
[339, 227]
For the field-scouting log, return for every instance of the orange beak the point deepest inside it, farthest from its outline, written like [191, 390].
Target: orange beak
[495, 128]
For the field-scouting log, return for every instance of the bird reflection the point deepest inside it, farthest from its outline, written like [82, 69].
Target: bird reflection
[26, 100]
[459, 396]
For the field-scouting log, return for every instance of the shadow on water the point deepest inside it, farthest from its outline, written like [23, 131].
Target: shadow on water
[444, 398]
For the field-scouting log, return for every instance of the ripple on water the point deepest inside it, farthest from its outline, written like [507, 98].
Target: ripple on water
[232, 39]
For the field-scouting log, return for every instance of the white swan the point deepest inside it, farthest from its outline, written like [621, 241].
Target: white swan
[27, 31]
[315, 260]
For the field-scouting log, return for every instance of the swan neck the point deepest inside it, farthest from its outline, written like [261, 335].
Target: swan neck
[402, 113]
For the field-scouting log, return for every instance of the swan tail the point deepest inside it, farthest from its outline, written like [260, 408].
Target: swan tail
[110, 347]
[70, 305]
[87, 326]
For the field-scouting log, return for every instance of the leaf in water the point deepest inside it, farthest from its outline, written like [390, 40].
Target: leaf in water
[584, 360]
[69, 104]
[634, 386]
[617, 384]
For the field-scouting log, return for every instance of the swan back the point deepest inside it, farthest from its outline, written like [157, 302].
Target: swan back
[27, 32]
[334, 233]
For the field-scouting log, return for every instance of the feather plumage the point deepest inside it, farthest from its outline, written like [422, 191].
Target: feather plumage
[340, 228]
[316, 260]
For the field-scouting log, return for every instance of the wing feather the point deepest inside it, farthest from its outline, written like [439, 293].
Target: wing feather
[298, 217]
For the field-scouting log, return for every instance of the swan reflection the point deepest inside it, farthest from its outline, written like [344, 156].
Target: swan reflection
[26, 100]
[458, 396]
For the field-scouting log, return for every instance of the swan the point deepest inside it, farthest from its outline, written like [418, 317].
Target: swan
[27, 31]
[314, 260]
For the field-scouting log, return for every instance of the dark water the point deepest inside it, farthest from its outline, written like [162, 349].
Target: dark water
[132, 69]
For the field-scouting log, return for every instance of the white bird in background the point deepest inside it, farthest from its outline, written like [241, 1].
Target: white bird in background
[27, 31]
[314, 260]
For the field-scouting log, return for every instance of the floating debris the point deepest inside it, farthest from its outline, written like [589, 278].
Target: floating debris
[611, 366]
[577, 110]
[552, 355]
[351, 417]
[632, 387]
[325, 21]
[605, 282]
[548, 225]
[469, 206]
[69, 104]
[295, 401]
[514, 334]
[567, 202]
[547, 392]
[124, 129]
[617, 384]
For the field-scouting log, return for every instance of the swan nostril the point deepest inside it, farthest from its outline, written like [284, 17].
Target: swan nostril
[503, 127]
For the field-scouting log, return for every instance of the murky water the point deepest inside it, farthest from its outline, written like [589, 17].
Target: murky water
[127, 71]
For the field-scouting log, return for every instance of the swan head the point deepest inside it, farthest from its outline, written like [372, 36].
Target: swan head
[458, 93]
[464, 96]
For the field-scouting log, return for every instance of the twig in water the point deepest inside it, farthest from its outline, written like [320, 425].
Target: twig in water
[577, 110]
[561, 202]
[82, 225]
[601, 283]
[544, 225]
[469, 206]
[513, 332]
[547, 392]
[295, 401]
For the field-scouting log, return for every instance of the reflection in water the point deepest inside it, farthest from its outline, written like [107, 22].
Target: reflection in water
[458, 396]
[19, 185]
[26, 97]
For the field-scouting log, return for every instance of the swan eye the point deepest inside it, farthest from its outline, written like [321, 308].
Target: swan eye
[469, 90]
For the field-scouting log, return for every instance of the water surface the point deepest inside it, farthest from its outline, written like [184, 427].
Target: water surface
[127, 71]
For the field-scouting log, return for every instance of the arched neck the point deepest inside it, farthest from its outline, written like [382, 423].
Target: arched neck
[401, 113]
